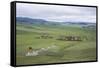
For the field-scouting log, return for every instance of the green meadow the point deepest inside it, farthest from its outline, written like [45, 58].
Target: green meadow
[63, 50]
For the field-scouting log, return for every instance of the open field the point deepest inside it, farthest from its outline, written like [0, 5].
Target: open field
[57, 51]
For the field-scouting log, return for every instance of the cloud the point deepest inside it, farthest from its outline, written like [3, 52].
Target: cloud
[57, 13]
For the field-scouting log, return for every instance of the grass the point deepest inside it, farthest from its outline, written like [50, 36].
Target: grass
[65, 51]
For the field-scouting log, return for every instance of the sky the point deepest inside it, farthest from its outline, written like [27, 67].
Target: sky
[56, 13]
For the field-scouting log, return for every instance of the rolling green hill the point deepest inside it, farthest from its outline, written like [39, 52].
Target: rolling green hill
[29, 35]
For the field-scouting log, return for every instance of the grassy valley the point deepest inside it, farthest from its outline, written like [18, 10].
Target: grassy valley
[38, 36]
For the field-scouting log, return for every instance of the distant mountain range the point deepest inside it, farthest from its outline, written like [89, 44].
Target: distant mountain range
[30, 20]
[26, 20]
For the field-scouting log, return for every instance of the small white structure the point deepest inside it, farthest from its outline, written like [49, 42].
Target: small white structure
[34, 53]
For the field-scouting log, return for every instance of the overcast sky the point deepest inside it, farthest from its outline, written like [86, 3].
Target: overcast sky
[56, 12]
